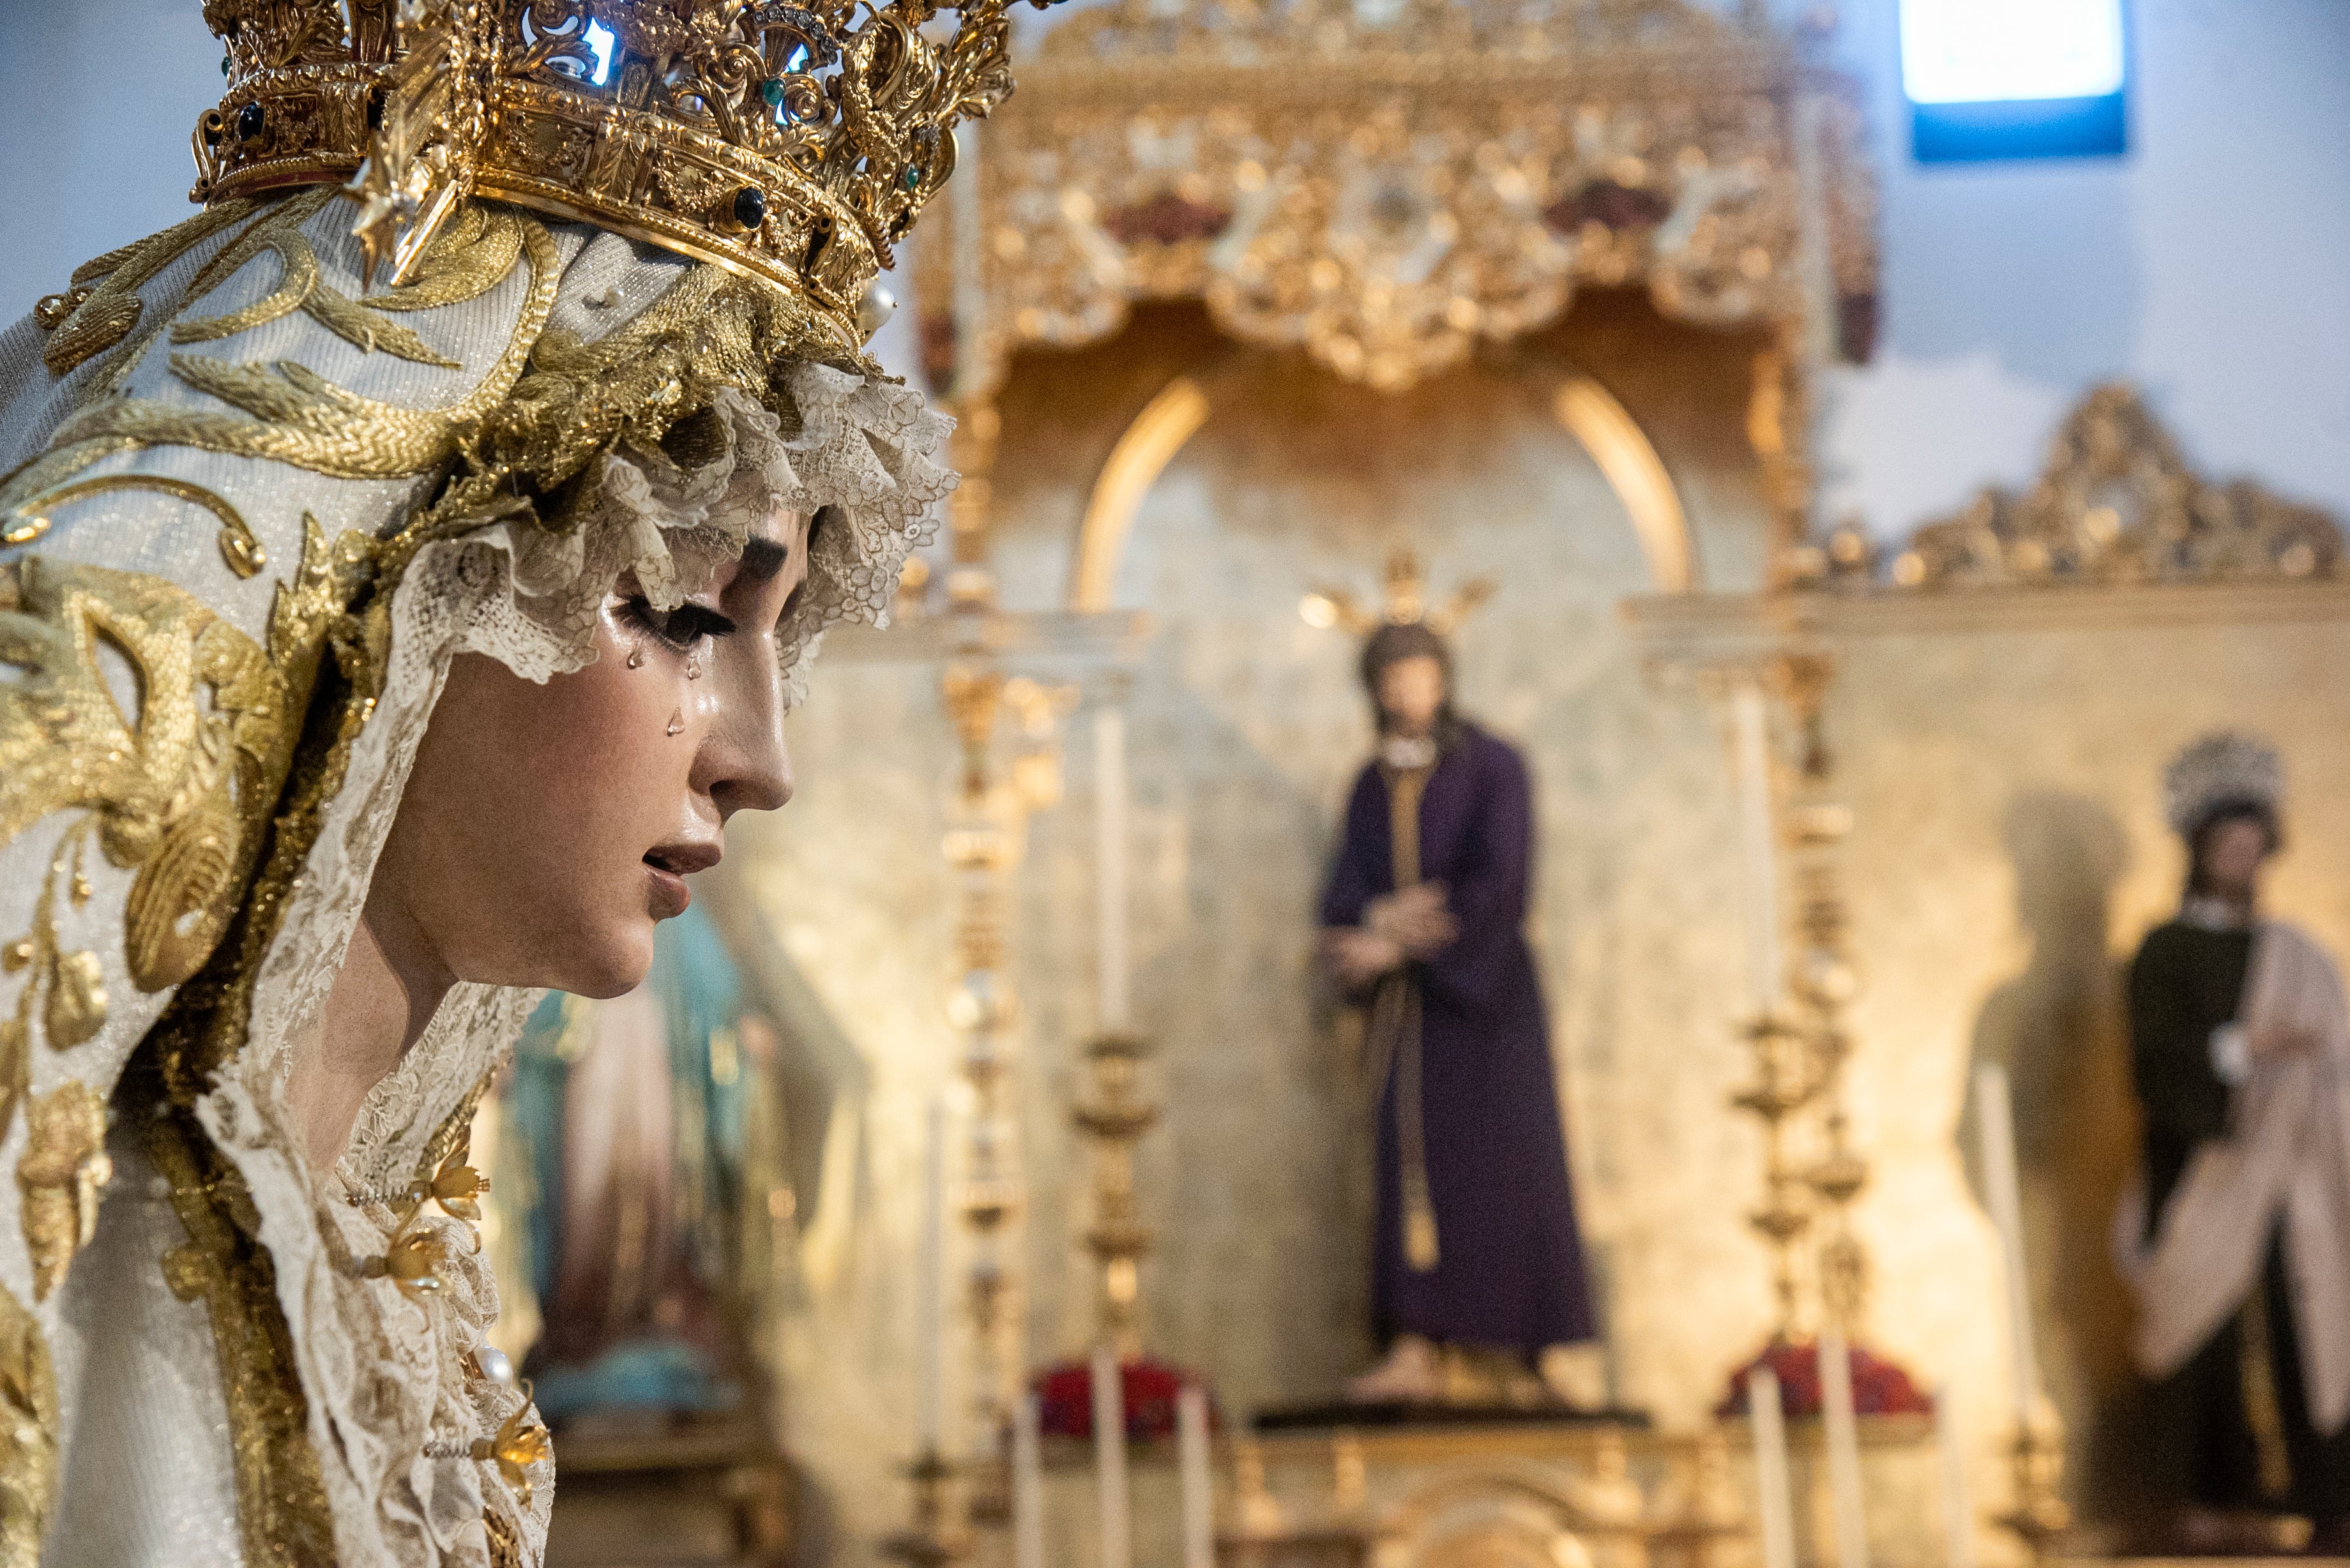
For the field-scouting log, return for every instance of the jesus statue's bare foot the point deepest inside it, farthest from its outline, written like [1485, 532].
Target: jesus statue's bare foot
[1408, 1377]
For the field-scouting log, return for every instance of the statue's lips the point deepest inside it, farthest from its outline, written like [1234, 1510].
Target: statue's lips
[666, 869]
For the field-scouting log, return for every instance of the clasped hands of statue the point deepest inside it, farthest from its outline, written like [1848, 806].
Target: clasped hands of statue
[1415, 923]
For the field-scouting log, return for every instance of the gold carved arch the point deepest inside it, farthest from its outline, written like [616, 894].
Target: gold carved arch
[1589, 412]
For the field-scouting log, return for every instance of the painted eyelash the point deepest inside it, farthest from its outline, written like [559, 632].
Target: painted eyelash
[680, 628]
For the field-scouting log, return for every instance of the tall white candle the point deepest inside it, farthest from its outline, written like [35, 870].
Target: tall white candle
[1958, 1513]
[1995, 1125]
[1844, 1451]
[1109, 1459]
[930, 1285]
[1110, 865]
[1774, 1508]
[1751, 730]
[1199, 1499]
[1028, 1484]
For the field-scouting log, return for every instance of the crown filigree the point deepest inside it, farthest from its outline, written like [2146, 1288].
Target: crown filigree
[1407, 602]
[790, 142]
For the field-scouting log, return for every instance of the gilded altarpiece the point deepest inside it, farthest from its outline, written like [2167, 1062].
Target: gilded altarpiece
[1532, 290]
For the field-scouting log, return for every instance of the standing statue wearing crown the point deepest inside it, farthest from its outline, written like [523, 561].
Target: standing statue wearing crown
[1476, 1248]
[2237, 1237]
[398, 594]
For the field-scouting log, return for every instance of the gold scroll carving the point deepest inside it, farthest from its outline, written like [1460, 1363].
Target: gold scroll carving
[2116, 503]
[1385, 184]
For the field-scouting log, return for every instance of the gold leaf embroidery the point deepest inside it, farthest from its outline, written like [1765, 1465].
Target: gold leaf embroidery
[301, 417]
[76, 1005]
[108, 312]
[76, 1009]
[186, 778]
[28, 1424]
[239, 546]
[182, 793]
[63, 1168]
[299, 287]
[471, 257]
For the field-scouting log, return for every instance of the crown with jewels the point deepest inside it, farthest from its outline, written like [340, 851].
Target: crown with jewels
[789, 143]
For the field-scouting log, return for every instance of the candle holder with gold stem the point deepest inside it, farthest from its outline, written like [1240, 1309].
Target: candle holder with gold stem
[992, 803]
[1784, 1083]
[1813, 1175]
[1114, 1116]
[2038, 1516]
[933, 1539]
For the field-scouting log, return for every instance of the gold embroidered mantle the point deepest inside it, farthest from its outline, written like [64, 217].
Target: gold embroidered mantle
[164, 769]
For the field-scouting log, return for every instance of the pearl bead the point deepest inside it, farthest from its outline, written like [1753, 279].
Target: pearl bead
[494, 1365]
[875, 309]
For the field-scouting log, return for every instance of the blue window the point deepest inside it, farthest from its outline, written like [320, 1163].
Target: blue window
[2014, 78]
[599, 38]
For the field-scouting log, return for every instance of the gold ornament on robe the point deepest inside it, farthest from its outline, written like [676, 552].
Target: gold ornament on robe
[413, 1261]
[29, 1416]
[178, 791]
[520, 1442]
[63, 1168]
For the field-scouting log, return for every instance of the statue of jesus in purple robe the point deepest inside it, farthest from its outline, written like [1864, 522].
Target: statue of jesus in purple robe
[1476, 1247]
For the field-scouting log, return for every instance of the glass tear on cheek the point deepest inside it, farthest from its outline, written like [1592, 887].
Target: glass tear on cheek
[676, 722]
[636, 658]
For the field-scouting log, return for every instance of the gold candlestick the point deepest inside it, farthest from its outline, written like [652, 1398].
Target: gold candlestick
[1824, 986]
[1114, 1116]
[2038, 1516]
[992, 803]
[933, 1540]
[1812, 1174]
[1785, 1084]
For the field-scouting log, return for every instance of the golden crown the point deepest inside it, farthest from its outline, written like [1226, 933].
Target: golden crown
[780, 140]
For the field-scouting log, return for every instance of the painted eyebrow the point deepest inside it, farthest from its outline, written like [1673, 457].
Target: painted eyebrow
[761, 560]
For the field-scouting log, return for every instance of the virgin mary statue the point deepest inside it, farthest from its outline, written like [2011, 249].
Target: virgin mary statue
[396, 597]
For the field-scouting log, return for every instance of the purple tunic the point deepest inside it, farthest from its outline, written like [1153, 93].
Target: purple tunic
[1510, 1268]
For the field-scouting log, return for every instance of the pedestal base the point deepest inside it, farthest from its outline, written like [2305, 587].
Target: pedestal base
[1415, 1486]
[703, 1494]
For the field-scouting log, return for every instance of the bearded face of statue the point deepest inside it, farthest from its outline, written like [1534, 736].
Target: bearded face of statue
[2229, 852]
[546, 828]
[1412, 694]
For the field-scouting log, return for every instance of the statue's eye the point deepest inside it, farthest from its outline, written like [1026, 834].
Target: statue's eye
[680, 628]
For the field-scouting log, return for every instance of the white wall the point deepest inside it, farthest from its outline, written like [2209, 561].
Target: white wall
[102, 95]
[2211, 264]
